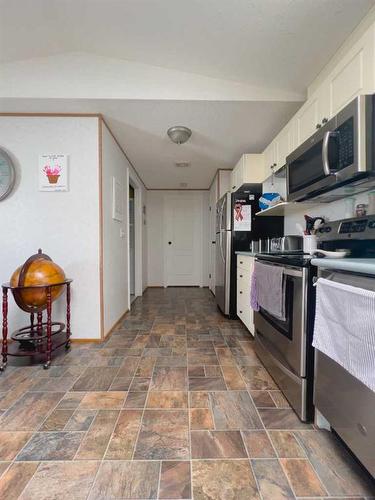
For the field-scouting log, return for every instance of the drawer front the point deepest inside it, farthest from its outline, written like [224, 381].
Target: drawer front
[245, 262]
[243, 281]
[244, 314]
[244, 311]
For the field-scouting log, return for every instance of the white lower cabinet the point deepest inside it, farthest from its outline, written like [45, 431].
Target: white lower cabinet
[245, 264]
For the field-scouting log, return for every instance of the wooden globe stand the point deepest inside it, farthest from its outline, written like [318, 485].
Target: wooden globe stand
[37, 338]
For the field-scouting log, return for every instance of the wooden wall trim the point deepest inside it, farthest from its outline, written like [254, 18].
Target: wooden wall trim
[116, 324]
[100, 174]
[56, 115]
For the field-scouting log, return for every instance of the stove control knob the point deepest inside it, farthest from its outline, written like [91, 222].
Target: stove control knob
[328, 229]
[371, 224]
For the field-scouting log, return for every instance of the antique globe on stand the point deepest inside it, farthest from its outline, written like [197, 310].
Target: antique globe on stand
[38, 271]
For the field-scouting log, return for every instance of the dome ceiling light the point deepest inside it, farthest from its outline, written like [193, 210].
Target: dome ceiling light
[179, 134]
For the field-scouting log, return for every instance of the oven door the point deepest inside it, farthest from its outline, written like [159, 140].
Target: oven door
[286, 340]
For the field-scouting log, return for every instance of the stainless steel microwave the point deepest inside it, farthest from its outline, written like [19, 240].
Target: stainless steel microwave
[338, 160]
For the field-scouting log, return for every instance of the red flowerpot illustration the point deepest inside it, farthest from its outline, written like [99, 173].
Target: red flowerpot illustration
[52, 179]
[52, 173]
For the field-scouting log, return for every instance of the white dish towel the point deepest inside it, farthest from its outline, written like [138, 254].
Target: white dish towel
[345, 328]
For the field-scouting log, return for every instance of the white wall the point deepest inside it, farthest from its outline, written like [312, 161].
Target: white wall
[155, 233]
[115, 253]
[64, 225]
[330, 211]
[116, 234]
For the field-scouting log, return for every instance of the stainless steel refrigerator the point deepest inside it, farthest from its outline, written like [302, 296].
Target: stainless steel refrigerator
[236, 226]
[223, 257]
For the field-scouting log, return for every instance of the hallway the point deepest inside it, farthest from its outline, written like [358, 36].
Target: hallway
[175, 404]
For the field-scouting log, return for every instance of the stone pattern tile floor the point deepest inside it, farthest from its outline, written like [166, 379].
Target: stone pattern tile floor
[174, 405]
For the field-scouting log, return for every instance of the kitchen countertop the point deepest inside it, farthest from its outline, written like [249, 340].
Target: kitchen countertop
[243, 252]
[364, 266]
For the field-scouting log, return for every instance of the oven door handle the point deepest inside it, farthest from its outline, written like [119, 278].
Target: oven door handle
[278, 363]
[325, 159]
[288, 271]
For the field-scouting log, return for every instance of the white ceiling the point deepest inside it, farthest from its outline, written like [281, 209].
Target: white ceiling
[222, 131]
[256, 49]
[255, 41]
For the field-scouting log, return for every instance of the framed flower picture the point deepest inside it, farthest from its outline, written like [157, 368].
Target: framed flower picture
[53, 172]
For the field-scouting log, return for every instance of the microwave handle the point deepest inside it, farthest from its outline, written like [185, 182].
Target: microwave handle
[326, 165]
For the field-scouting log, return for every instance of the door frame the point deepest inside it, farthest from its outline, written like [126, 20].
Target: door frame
[199, 199]
[138, 288]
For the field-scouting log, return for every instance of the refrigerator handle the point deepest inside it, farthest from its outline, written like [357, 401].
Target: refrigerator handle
[221, 245]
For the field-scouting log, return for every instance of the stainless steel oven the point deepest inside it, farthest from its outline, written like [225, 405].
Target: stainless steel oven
[282, 345]
[347, 404]
[338, 159]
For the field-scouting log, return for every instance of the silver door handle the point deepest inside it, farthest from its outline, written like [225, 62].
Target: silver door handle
[221, 247]
[325, 159]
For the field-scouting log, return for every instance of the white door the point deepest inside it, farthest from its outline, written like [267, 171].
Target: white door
[183, 240]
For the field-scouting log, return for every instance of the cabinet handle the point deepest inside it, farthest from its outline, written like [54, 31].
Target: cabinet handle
[325, 120]
[240, 312]
[241, 276]
[241, 262]
[233, 187]
[318, 125]
[241, 292]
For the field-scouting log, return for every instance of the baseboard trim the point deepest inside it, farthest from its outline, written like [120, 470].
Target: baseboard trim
[85, 341]
[115, 325]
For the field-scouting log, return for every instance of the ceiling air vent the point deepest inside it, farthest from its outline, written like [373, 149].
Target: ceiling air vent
[182, 164]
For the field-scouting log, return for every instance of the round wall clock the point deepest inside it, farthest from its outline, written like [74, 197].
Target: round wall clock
[7, 175]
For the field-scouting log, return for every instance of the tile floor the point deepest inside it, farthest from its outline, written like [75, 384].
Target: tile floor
[174, 405]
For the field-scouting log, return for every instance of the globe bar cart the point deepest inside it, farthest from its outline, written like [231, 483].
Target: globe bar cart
[40, 338]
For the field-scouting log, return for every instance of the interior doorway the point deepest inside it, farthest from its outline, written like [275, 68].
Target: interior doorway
[132, 243]
[183, 240]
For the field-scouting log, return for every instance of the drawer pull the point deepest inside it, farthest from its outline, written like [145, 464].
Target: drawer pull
[241, 276]
[240, 291]
[241, 262]
[240, 312]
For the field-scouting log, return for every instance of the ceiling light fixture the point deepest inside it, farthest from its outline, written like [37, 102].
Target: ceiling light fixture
[179, 134]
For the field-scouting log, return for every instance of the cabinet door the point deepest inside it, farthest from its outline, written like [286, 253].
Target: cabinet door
[224, 179]
[269, 159]
[234, 180]
[355, 73]
[324, 105]
[253, 170]
[307, 120]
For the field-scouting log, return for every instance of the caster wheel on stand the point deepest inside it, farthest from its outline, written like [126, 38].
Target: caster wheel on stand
[2, 367]
[47, 365]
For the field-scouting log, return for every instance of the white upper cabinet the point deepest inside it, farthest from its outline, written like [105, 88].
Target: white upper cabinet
[224, 179]
[307, 119]
[249, 170]
[354, 74]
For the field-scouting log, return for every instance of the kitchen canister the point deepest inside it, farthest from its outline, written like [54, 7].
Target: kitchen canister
[310, 243]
